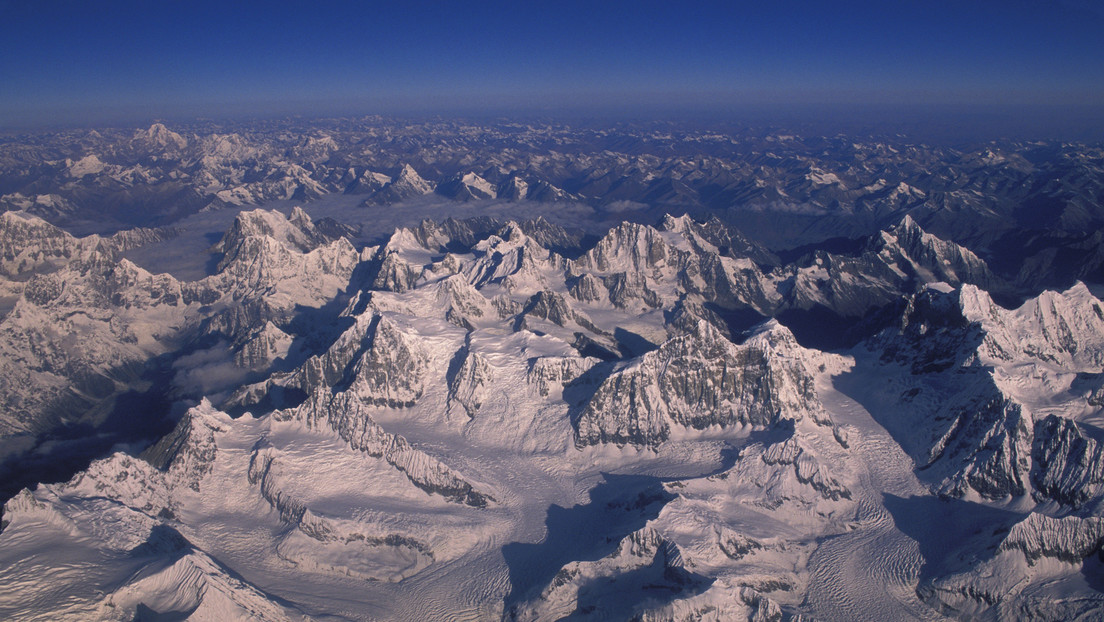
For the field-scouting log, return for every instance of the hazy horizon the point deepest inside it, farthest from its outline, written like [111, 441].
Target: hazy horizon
[1024, 63]
[936, 124]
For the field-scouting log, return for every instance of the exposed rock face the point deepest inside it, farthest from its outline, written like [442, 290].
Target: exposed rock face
[364, 182]
[467, 187]
[977, 356]
[81, 332]
[392, 370]
[295, 232]
[468, 388]
[715, 236]
[1059, 328]
[263, 348]
[287, 259]
[893, 262]
[991, 441]
[348, 416]
[27, 243]
[629, 246]
[701, 380]
[161, 138]
[588, 288]
[373, 358]
[909, 245]
[1067, 465]
[458, 366]
[1070, 539]
[807, 468]
[549, 374]
[187, 454]
[395, 275]
[643, 552]
[464, 305]
[638, 266]
[514, 260]
[264, 472]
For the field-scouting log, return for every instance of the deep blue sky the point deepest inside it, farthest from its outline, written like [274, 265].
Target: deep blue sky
[73, 61]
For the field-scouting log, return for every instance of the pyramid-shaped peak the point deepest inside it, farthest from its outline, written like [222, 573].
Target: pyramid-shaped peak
[408, 172]
[159, 134]
[299, 215]
[512, 232]
[409, 183]
[908, 224]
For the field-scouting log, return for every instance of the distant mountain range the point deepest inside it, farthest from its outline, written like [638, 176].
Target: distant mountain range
[1031, 210]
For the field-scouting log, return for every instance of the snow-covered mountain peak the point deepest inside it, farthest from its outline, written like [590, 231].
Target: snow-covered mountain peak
[88, 165]
[188, 453]
[408, 178]
[931, 258]
[1061, 328]
[677, 224]
[461, 423]
[701, 380]
[515, 260]
[20, 217]
[628, 247]
[405, 239]
[160, 136]
[976, 304]
[509, 237]
[514, 189]
[908, 225]
[511, 240]
[29, 244]
[296, 231]
[405, 185]
[770, 334]
[467, 187]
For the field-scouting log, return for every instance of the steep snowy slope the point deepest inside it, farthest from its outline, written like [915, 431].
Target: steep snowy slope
[992, 405]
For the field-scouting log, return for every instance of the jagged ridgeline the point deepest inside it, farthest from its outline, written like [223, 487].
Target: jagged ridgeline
[480, 419]
[1033, 209]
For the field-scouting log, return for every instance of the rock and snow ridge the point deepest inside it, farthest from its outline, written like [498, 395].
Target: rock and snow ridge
[700, 381]
[996, 407]
[785, 189]
[491, 429]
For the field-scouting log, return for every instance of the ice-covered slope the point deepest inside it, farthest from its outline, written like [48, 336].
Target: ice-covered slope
[278, 507]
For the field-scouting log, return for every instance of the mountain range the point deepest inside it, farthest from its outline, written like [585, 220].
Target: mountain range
[650, 413]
